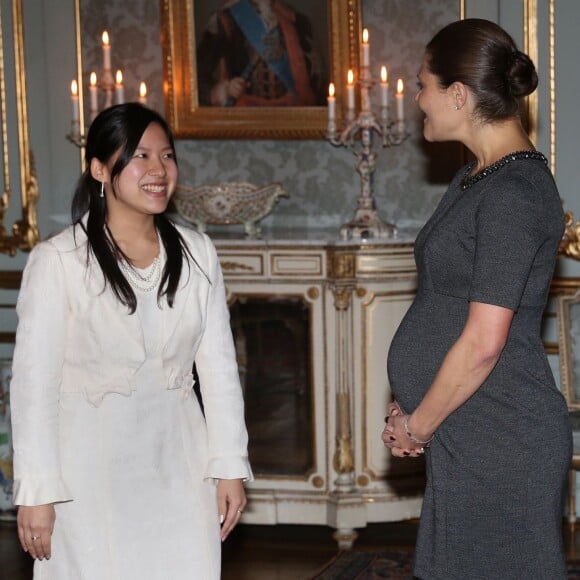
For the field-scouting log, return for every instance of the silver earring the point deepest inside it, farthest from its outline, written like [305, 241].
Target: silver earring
[102, 189]
[456, 107]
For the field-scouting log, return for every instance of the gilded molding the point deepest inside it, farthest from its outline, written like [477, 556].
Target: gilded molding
[232, 266]
[552, 59]
[79, 55]
[531, 48]
[566, 344]
[318, 482]
[362, 481]
[564, 286]
[343, 461]
[342, 266]
[342, 296]
[570, 243]
[24, 231]
[313, 293]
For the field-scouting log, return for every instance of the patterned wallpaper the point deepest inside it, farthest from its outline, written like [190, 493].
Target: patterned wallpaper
[321, 179]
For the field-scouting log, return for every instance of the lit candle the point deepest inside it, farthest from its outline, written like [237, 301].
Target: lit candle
[331, 100]
[366, 48]
[143, 93]
[74, 97]
[350, 92]
[106, 51]
[400, 97]
[384, 88]
[93, 95]
[119, 90]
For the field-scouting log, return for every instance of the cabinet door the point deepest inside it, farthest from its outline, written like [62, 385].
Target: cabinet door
[278, 335]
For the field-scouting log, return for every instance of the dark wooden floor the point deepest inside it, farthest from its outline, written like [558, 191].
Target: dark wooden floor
[269, 552]
[252, 552]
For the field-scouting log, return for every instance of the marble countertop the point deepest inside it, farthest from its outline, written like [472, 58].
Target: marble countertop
[310, 237]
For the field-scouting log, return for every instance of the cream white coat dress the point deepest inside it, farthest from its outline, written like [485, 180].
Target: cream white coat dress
[106, 423]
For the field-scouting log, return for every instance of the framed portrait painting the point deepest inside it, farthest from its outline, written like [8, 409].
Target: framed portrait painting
[256, 69]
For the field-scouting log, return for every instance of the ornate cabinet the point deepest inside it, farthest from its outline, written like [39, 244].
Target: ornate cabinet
[313, 320]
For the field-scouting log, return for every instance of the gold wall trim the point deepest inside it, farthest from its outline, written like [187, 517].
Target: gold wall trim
[552, 48]
[79, 55]
[531, 48]
[24, 233]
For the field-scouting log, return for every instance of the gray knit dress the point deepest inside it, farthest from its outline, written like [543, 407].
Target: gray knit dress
[496, 469]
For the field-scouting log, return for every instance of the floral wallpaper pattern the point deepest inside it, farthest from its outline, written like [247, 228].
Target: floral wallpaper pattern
[321, 179]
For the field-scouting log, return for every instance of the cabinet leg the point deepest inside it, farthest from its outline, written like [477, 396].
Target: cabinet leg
[345, 538]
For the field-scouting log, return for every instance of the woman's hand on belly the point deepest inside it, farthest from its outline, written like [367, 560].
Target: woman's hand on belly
[35, 526]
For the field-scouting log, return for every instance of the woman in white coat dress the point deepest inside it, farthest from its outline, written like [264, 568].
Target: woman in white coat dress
[118, 473]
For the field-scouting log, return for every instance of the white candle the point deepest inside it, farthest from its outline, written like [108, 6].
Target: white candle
[384, 88]
[400, 99]
[350, 92]
[119, 90]
[93, 96]
[106, 51]
[74, 97]
[331, 100]
[143, 93]
[366, 48]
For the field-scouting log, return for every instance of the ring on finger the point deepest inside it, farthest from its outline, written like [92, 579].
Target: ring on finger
[34, 538]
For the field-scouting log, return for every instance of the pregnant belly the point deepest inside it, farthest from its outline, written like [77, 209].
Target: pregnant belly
[429, 329]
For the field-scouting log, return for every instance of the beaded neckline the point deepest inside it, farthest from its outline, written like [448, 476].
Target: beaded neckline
[468, 180]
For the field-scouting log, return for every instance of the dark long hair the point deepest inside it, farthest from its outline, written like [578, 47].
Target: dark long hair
[119, 129]
[483, 56]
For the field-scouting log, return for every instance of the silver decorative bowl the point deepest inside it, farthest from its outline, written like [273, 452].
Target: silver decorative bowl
[228, 203]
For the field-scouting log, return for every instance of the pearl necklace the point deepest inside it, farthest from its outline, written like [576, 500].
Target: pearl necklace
[468, 180]
[144, 282]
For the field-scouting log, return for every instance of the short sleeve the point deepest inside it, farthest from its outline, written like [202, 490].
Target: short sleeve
[509, 233]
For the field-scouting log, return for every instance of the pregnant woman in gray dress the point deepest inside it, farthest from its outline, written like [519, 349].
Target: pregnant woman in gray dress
[473, 389]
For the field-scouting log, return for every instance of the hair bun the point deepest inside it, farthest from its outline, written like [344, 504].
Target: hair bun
[521, 73]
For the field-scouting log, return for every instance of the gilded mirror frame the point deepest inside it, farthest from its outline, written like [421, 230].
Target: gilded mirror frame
[24, 231]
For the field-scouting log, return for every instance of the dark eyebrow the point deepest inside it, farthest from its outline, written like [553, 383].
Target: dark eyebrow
[168, 148]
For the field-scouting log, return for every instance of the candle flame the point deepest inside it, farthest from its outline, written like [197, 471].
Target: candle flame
[384, 74]
[74, 89]
[365, 36]
[400, 87]
[350, 77]
[119, 77]
[93, 79]
[142, 90]
[331, 90]
[105, 38]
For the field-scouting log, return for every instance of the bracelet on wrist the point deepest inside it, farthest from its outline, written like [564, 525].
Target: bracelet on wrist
[412, 437]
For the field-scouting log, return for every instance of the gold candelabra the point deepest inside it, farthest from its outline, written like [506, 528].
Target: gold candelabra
[357, 135]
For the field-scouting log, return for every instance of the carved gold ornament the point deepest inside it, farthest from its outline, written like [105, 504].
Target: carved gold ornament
[24, 233]
[570, 244]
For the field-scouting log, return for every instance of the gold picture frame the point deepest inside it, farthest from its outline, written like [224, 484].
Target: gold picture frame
[24, 234]
[190, 120]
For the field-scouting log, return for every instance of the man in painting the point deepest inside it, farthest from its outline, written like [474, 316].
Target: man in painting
[258, 53]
